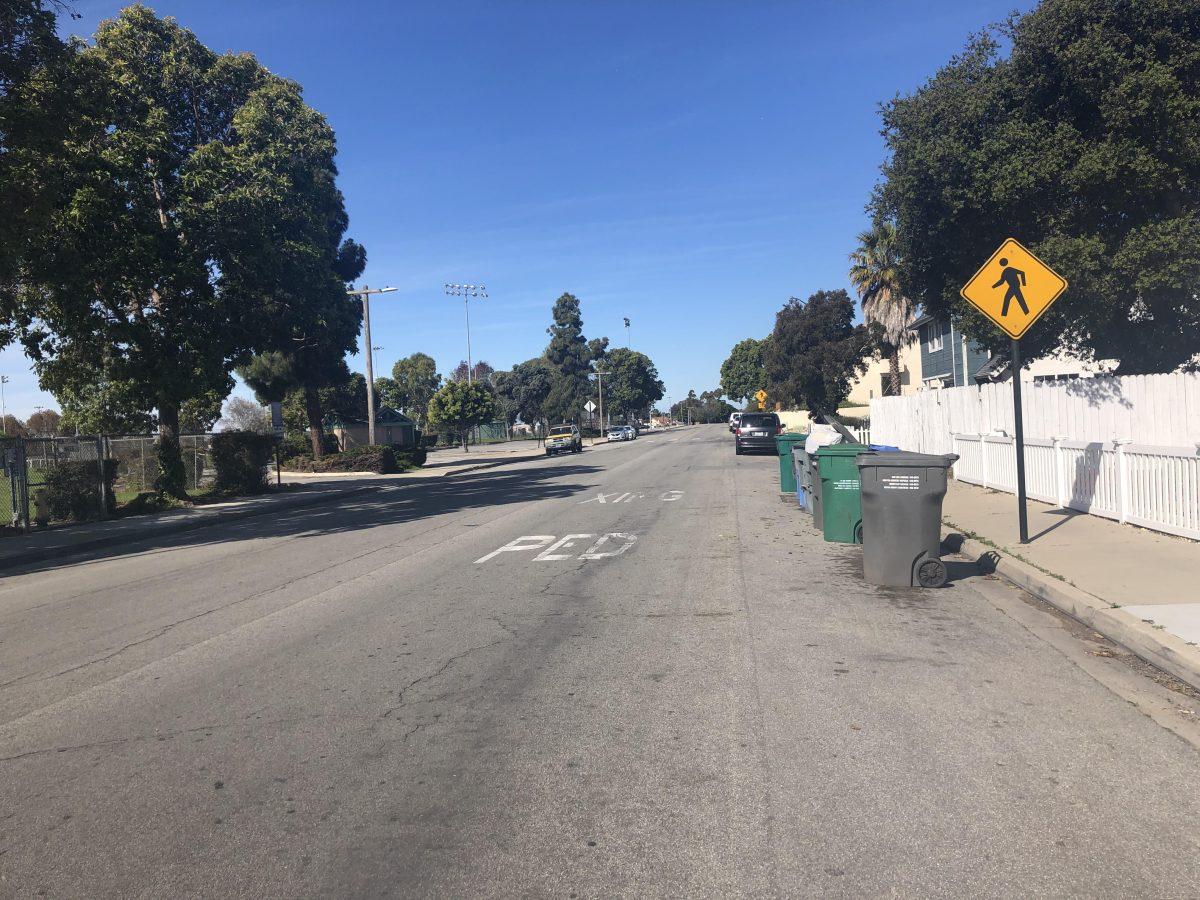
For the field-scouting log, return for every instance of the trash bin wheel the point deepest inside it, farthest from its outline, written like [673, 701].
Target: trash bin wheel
[858, 533]
[931, 573]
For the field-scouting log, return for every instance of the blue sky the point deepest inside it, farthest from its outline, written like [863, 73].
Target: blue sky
[687, 164]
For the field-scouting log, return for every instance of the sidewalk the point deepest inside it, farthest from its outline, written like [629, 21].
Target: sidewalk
[1136, 586]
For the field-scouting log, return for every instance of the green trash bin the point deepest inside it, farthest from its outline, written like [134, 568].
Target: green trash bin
[787, 475]
[841, 493]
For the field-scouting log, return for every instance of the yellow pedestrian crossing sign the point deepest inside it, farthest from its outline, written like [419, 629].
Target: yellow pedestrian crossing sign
[761, 396]
[1014, 288]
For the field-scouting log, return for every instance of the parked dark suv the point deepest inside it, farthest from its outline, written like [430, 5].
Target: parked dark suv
[756, 431]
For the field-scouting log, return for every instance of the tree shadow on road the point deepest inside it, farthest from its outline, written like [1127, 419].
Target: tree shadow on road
[389, 504]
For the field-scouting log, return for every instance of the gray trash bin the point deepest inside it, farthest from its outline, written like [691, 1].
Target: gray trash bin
[814, 493]
[902, 517]
[803, 476]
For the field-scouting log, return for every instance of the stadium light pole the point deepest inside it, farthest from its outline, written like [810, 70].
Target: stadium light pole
[627, 345]
[3, 411]
[366, 292]
[467, 291]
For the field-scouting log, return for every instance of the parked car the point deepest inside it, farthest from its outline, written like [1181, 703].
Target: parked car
[564, 439]
[631, 433]
[734, 418]
[756, 431]
[618, 433]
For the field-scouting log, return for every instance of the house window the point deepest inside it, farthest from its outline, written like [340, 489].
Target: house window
[933, 337]
[885, 384]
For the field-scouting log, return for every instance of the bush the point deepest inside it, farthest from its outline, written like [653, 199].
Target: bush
[376, 458]
[241, 458]
[73, 490]
[299, 446]
[411, 459]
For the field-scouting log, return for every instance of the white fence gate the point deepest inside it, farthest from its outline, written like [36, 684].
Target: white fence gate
[1125, 448]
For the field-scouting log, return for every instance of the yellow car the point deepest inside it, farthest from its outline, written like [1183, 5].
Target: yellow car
[564, 439]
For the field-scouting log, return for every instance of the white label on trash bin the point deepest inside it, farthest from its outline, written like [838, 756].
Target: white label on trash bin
[901, 482]
[846, 484]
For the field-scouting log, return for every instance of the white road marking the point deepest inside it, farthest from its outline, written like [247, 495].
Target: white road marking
[630, 496]
[521, 543]
[550, 553]
[564, 543]
[593, 552]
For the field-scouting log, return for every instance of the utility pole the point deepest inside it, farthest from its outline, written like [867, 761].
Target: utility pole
[366, 293]
[467, 291]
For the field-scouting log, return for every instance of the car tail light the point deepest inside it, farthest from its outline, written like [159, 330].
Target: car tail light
[738, 432]
[779, 430]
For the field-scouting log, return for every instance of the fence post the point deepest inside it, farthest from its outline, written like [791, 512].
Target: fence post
[1122, 480]
[954, 450]
[983, 456]
[100, 475]
[1060, 481]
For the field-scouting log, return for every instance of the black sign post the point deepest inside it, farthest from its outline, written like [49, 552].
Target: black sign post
[1022, 514]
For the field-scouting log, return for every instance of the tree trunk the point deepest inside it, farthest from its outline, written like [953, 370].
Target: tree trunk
[464, 433]
[312, 409]
[171, 479]
[895, 372]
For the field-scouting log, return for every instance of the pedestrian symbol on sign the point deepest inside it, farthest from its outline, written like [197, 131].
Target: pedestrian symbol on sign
[1015, 279]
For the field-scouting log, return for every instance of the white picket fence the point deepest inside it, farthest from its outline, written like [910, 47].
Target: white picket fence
[1125, 448]
[1156, 487]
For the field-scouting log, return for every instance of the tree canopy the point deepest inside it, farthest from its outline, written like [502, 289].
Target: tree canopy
[458, 407]
[1082, 142]
[414, 381]
[815, 352]
[632, 385]
[570, 358]
[742, 374]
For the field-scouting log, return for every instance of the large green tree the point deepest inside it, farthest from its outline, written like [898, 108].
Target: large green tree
[522, 391]
[815, 352]
[569, 356]
[458, 407]
[632, 385]
[1076, 129]
[414, 381]
[875, 274]
[149, 272]
[742, 374]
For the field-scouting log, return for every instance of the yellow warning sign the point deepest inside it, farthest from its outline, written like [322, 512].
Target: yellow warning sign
[760, 395]
[1014, 288]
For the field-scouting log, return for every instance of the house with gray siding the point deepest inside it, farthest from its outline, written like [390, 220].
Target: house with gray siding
[948, 357]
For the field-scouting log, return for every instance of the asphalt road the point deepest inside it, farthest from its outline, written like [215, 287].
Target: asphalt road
[691, 695]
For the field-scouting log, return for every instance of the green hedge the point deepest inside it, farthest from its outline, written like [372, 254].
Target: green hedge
[377, 458]
[411, 459]
[241, 458]
[73, 490]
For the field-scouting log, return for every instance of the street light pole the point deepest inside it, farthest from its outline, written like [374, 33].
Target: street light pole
[467, 291]
[366, 293]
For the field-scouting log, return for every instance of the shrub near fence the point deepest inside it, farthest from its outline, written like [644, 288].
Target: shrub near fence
[241, 458]
[73, 490]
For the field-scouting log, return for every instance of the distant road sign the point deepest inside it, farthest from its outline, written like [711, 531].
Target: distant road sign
[1014, 288]
[590, 406]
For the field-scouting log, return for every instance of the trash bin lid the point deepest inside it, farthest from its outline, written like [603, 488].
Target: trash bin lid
[905, 459]
[843, 450]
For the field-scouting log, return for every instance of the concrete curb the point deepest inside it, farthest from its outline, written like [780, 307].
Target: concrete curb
[1156, 646]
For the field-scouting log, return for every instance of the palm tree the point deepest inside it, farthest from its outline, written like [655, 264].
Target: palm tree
[875, 274]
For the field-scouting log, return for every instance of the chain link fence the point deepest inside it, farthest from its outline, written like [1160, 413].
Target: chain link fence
[137, 462]
[38, 474]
